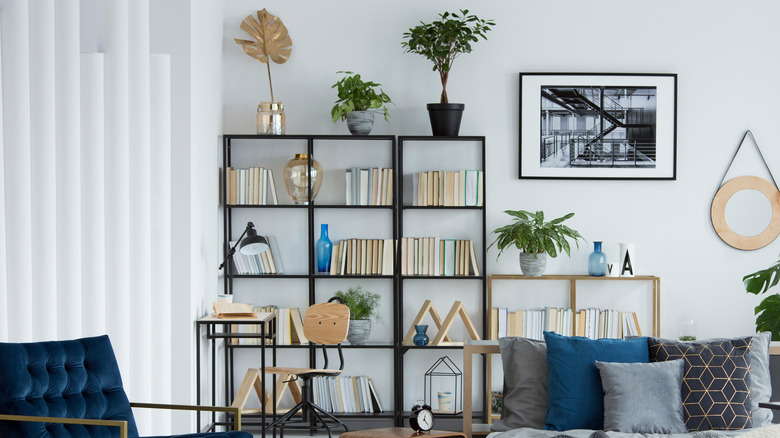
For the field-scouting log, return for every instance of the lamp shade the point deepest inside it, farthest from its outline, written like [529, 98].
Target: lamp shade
[253, 244]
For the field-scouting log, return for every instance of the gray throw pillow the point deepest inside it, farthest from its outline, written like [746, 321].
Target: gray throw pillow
[643, 397]
[760, 380]
[525, 384]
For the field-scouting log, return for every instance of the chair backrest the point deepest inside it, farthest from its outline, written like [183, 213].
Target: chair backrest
[76, 379]
[326, 323]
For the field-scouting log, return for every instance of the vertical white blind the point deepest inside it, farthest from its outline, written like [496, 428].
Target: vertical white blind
[85, 189]
[93, 195]
[43, 169]
[3, 247]
[67, 129]
[17, 169]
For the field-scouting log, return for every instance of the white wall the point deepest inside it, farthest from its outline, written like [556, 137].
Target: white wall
[727, 83]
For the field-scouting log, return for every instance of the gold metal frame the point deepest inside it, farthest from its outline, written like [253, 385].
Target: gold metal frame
[122, 425]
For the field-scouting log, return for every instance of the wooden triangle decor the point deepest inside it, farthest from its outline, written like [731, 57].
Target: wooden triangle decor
[442, 337]
[253, 380]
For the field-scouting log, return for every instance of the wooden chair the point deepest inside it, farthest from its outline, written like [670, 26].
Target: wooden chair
[324, 324]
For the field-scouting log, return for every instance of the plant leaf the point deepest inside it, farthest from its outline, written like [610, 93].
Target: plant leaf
[271, 39]
[768, 316]
[760, 281]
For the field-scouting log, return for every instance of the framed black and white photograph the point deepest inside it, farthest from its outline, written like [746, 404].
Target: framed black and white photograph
[598, 126]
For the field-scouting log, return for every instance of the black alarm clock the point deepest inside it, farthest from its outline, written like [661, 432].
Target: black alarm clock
[421, 418]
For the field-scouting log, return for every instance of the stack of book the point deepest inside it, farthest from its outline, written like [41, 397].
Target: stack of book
[362, 257]
[268, 262]
[346, 394]
[448, 189]
[433, 256]
[251, 186]
[289, 327]
[371, 186]
[592, 323]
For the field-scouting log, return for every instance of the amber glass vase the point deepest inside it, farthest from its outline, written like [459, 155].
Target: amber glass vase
[297, 175]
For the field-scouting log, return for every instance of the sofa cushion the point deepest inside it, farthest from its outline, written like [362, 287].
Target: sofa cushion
[643, 397]
[574, 393]
[716, 382]
[525, 384]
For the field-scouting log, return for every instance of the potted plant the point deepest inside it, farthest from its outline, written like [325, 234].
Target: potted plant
[441, 41]
[363, 306]
[768, 311]
[357, 102]
[536, 239]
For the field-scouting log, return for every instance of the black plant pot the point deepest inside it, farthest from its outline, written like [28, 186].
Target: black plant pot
[445, 118]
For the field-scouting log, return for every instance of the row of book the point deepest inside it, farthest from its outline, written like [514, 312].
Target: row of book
[268, 262]
[591, 323]
[449, 189]
[346, 394]
[433, 256]
[371, 186]
[251, 186]
[362, 257]
[289, 327]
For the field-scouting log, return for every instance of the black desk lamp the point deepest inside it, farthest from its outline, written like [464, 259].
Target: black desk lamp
[252, 244]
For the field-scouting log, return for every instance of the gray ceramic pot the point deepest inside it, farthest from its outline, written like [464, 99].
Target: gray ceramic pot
[533, 265]
[359, 331]
[360, 122]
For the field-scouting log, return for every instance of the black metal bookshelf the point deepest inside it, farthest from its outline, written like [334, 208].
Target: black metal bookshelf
[396, 411]
[230, 144]
[406, 205]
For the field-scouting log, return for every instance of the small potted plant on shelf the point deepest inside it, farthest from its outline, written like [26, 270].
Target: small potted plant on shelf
[441, 41]
[363, 307]
[536, 239]
[768, 311]
[357, 102]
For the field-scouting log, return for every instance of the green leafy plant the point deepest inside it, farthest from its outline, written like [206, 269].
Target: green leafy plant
[768, 311]
[356, 95]
[362, 304]
[441, 41]
[531, 234]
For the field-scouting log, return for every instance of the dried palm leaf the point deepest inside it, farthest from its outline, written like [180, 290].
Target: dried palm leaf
[271, 40]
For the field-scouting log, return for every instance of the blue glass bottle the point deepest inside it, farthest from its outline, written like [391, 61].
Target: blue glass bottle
[420, 338]
[597, 261]
[324, 248]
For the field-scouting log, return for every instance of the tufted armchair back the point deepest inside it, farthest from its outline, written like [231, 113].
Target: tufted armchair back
[74, 379]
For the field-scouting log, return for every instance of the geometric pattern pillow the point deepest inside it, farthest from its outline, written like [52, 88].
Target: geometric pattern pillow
[716, 381]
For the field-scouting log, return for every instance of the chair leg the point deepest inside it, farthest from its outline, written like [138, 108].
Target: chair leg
[316, 408]
[311, 414]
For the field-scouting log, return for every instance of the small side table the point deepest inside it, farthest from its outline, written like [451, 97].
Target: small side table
[400, 432]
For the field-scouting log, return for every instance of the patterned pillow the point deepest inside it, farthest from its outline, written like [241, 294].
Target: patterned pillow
[716, 382]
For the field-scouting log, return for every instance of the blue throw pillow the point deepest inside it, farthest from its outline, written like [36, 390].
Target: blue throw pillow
[574, 393]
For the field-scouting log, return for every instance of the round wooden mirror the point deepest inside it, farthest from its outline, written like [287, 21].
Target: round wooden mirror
[718, 212]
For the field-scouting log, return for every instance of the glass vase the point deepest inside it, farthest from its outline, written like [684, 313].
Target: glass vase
[270, 118]
[597, 261]
[324, 250]
[421, 338]
[297, 175]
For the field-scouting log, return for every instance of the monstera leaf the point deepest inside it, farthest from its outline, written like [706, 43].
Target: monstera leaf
[768, 312]
[271, 41]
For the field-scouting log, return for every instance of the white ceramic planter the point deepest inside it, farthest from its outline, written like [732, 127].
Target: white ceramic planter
[533, 265]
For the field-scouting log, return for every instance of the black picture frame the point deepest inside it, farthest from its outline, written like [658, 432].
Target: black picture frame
[604, 126]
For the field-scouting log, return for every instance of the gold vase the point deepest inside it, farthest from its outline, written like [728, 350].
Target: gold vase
[270, 118]
[296, 178]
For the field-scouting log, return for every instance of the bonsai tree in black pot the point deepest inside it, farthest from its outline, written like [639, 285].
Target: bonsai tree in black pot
[441, 42]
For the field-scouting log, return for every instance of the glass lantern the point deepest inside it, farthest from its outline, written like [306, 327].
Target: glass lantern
[297, 175]
[444, 382]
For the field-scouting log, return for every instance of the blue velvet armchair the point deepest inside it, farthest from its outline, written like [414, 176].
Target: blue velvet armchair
[72, 389]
